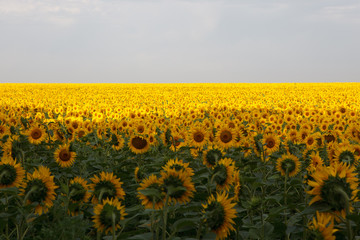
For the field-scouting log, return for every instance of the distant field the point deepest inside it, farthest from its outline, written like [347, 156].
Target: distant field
[179, 161]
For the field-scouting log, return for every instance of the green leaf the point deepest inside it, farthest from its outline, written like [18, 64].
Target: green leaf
[185, 222]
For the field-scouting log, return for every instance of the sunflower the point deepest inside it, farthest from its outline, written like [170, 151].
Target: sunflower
[322, 227]
[117, 142]
[79, 190]
[153, 183]
[225, 137]
[346, 154]
[331, 183]
[39, 187]
[138, 144]
[178, 185]
[315, 162]
[223, 174]
[64, 157]
[4, 130]
[179, 165]
[108, 212]
[36, 135]
[107, 186]
[288, 164]
[198, 137]
[211, 156]
[11, 173]
[271, 143]
[219, 213]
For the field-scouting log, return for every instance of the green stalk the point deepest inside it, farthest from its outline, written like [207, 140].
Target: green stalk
[285, 197]
[33, 189]
[165, 217]
[113, 216]
[347, 209]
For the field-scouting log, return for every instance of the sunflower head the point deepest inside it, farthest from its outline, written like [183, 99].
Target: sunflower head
[177, 185]
[322, 227]
[109, 212]
[219, 213]
[225, 137]
[155, 201]
[40, 187]
[288, 164]
[223, 174]
[335, 185]
[271, 143]
[106, 186]
[179, 165]
[138, 144]
[64, 157]
[346, 154]
[212, 156]
[78, 190]
[36, 134]
[11, 173]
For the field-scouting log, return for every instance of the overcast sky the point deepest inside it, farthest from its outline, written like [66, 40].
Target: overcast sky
[179, 41]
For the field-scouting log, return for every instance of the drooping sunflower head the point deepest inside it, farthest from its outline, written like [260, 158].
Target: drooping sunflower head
[11, 173]
[79, 190]
[40, 187]
[64, 157]
[223, 174]
[346, 154]
[334, 185]
[322, 227]
[177, 185]
[211, 156]
[179, 165]
[109, 212]
[315, 162]
[138, 144]
[219, 213]
[106, 186]
[155, 201]
[288, 164]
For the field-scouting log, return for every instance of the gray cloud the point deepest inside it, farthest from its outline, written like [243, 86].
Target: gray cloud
[179, 41]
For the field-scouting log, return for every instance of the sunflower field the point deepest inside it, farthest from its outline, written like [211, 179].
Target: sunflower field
[180, 161]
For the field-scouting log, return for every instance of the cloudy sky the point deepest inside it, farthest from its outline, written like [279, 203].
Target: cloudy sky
[179, 41]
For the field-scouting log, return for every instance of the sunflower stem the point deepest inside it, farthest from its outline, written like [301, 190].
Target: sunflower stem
[33, 189]
[102, 191]
[347, 209]
[165, 217]
[152, 219]
[285, 198]
[113, 217]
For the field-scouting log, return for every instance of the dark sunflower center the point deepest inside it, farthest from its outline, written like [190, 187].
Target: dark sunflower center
[174, 182]
[107, 188]
[138, 143]
[106, 215]
[81, 133]
[78, 192]
[270, 143]
[140, 129]
[7, 174]
[198, 137]
[64, 155]
[2, 130]
[38, 190]
[329, 138]
[330, 194]
[215, 215]
[36, 134]
[288, 164]
[225, 136]
[347, 157]
[220, 174]
[310, 141]
[75, 125]
[213, 156]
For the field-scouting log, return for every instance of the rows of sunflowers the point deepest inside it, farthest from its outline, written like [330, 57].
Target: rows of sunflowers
[180, 161]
